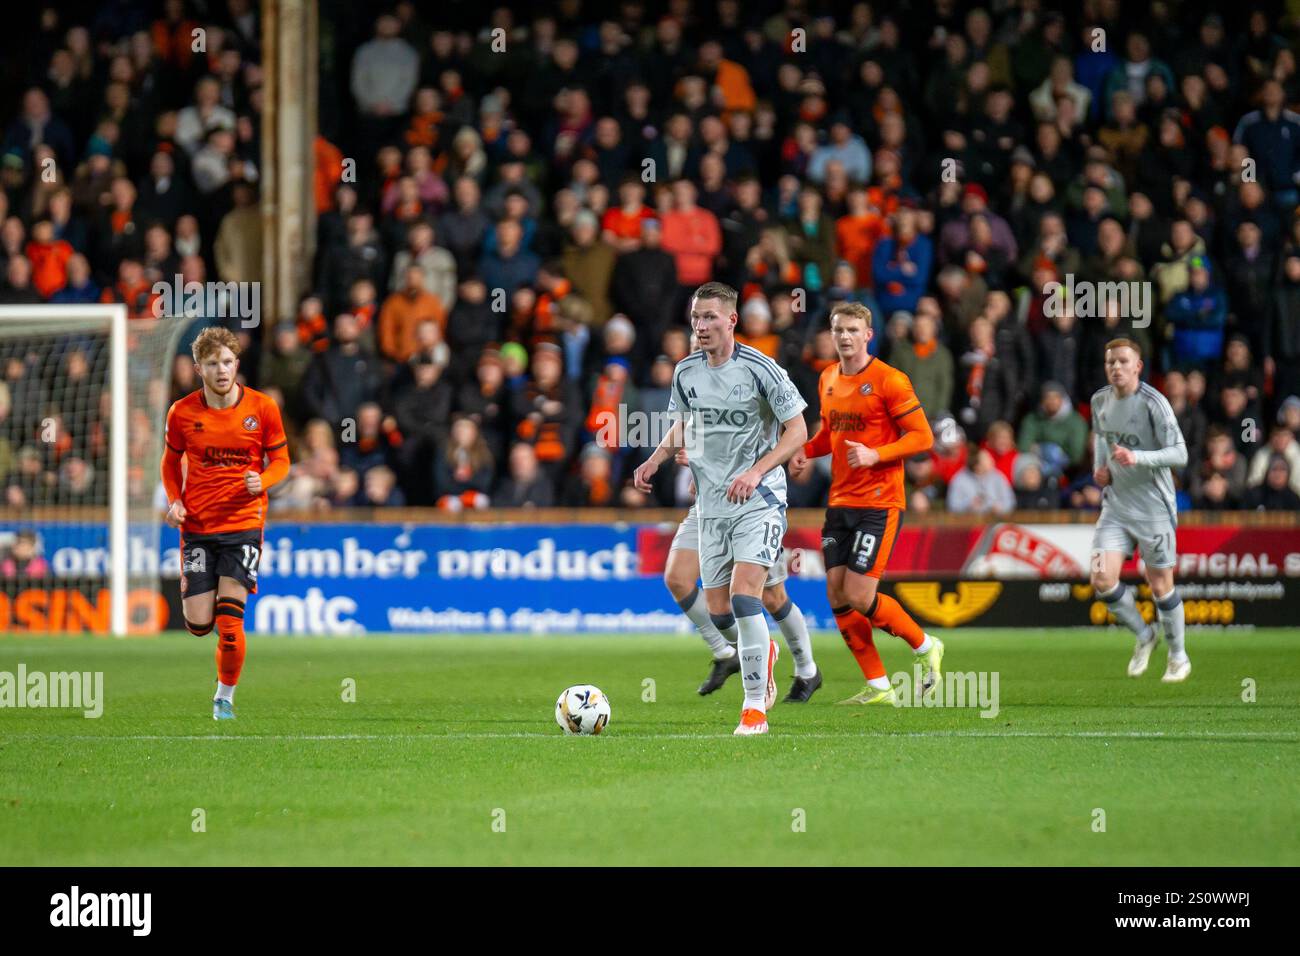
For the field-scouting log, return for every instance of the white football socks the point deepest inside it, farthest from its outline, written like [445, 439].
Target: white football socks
[1119, 601]
[696, 608]
[795, 630]
[225, 692]
[753, 646]
[726, 625]
[1170, 611]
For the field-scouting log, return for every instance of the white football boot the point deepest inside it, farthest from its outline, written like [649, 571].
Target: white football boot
[1177, 670]
[1137, 665]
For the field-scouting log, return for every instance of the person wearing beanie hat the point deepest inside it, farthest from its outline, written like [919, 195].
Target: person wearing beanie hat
[548, 408]
[619, 334]
[1289, 409]
[975, 191]
[756, 305]
[1033, 492]
[584, 358]
[755, 329]
[514, 357]
[1198, 314]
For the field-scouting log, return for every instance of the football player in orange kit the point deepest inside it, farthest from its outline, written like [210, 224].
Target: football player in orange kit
[221, 433]
[871, 423]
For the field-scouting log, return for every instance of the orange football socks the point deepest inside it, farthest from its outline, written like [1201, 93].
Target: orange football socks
[888, 614]
[230, 639]
[856, 631]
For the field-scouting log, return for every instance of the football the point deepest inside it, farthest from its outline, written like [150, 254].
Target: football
[582, 709]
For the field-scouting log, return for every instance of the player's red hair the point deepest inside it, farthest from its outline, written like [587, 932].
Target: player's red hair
[1124, 343]
[213, 339]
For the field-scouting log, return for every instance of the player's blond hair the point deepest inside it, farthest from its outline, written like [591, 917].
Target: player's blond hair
[721, 291]
[1125, 343]
[851, 310]
[214, 339]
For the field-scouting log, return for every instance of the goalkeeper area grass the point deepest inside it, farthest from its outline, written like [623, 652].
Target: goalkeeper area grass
[450, 754]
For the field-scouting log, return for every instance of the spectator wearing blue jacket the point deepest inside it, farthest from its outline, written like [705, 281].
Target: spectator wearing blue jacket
[509, 265]
[1092, 67]
[1272, 137]
[81, 288]
[1198, 314]
[901, 265]
[37, 124]
[849, 150]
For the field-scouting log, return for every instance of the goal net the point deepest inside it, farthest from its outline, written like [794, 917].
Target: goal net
[83, 396]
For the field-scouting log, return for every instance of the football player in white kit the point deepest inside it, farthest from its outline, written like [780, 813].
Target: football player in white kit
[681, 577]
[746, 418]
[1136, 441]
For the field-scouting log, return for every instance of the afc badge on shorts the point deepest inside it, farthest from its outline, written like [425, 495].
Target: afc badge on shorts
[250, 423]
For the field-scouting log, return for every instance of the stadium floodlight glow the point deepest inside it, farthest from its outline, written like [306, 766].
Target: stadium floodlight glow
[126, 354]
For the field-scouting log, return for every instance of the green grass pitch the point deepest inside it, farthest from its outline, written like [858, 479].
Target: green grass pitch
[452, 739]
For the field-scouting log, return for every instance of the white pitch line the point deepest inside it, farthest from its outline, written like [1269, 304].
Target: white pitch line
[1278, 736]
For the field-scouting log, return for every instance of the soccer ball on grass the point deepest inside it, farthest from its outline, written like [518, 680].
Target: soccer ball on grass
[582, 709]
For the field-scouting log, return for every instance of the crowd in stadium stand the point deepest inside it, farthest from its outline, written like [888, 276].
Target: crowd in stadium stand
[512, 214]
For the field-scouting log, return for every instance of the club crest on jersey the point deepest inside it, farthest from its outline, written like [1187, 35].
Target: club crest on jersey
[738, 394]
[250, 423]
[865, 389]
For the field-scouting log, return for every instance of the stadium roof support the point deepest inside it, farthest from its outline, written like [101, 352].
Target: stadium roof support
[290, 53]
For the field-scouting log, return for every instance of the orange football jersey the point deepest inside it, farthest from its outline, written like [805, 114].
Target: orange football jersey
[220, 445]
[865, 408]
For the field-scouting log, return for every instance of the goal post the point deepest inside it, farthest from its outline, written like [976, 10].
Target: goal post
[86, 391]
[117, 517]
